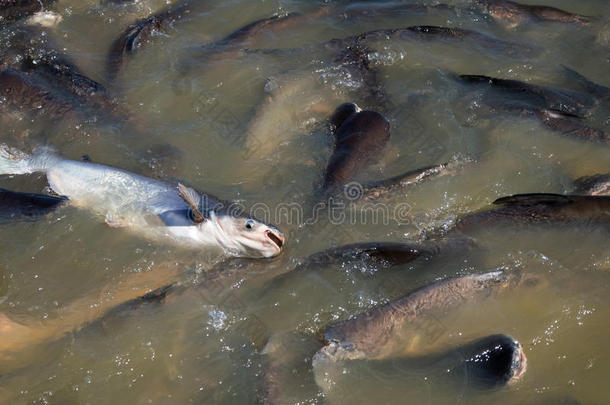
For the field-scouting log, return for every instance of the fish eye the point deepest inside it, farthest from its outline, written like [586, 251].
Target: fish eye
[249, 224]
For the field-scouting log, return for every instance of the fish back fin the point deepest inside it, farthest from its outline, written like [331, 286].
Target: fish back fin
[534, 199]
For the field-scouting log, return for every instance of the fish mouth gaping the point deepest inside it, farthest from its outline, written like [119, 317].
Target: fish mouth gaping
[277, 239]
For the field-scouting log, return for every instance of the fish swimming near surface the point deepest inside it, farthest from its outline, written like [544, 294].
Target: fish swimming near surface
[566, 124]
[372, 335]
[440, 33]
[139, 33]
[485, 363]
[34, 53]
[597, 90]
[598, 184]
[359, 138]
[540, 208]
[29, 93]
[16, 206]
[150, 207]
[560, 100]
[513, 13]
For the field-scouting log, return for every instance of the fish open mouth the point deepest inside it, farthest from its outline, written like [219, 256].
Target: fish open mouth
[519, 364]
[276, 239]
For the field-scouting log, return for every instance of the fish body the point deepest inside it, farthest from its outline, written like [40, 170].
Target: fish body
[368, 334]
[484, 363]
[515, 13]
[598, 184]
[149, 206]
[385, 253]
[527, 209]
[358, 141]
[560, 100]
[23, 92]
[138, 33]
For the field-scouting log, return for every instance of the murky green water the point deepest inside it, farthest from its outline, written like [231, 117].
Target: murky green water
[203, 346]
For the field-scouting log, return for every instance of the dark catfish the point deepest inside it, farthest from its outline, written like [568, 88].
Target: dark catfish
[439, 33]
[383, 9]
[249, 34]
[597, 90]
[27, 93]
[137, 34]
[561, 100]
[358, 142]
[386, 254]
[484, 363]
[16, 206]
[33, 52]
[598, 184]
[527, 209]
[556, 121]
[516, 13]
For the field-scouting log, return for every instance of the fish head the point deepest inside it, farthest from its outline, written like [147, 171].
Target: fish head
[247, 236]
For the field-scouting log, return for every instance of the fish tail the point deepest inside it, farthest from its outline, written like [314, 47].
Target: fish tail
[14, 161]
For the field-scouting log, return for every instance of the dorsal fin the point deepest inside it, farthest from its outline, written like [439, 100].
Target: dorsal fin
[192, 199]
[533, 198]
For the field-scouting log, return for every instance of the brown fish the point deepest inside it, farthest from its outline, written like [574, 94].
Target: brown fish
[529, 209]
[33, 52]
[137, 34]
[563, 123]
[383, 9]
[561, 100]
[514, 13]
[368, 335]
[29, 94]
[438, 33]
[249, 35]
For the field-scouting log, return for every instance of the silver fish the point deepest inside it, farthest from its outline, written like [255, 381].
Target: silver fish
[149, 207]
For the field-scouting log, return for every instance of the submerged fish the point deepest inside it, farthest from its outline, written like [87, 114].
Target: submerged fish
[385, 9]
[34, 53]
[25, 206]
[598, 184]
[560, 100]
[515, 13]
[486, 363]
[387, 254]
[27, 93]
[526, 209]
[138, 33]
[439, 33]
[556, 121]
[597, 90]
[148, 206]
